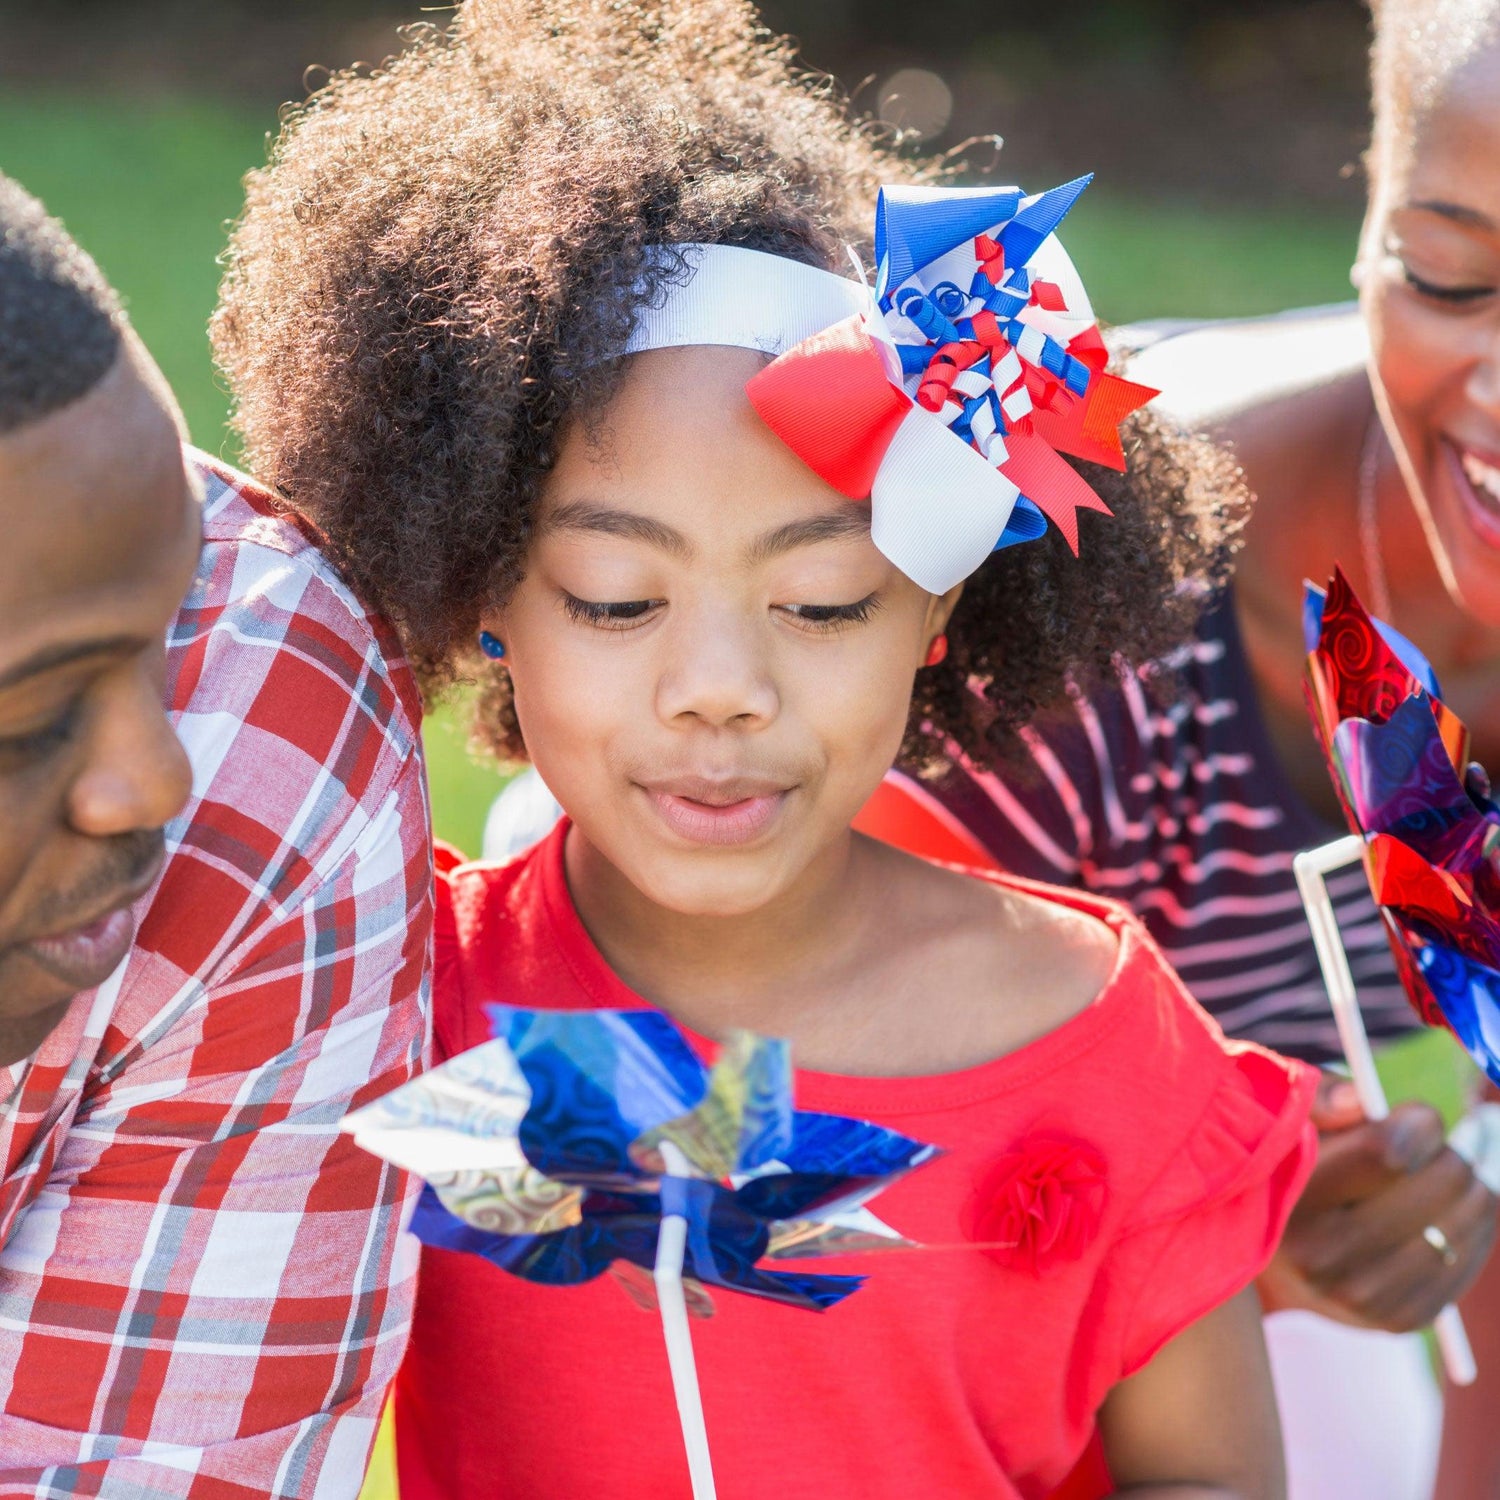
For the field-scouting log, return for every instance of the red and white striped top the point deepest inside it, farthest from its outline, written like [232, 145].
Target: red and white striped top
[1180, 810]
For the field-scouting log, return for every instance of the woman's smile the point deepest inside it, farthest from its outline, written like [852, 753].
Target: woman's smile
[1476, 479]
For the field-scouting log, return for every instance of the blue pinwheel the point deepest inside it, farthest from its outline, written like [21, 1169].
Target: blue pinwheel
[556, 1151]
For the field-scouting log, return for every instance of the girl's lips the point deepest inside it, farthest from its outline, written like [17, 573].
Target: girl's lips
[86, 956]
[1477, 481]
[712, 823]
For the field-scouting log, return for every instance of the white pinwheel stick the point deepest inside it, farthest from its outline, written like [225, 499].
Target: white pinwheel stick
[1313, 867]
[671, 1246]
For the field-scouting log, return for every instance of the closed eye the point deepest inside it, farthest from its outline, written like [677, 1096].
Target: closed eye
[23, 748]
[833, 616]
[1450, 295]
[618, 615]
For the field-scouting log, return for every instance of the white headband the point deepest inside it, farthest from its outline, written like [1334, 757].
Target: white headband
[745, 299]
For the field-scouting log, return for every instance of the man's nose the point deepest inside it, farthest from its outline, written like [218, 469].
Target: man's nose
[137, 775]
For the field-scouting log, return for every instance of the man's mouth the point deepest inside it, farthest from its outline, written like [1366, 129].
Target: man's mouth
[704, 810]
[86, 954]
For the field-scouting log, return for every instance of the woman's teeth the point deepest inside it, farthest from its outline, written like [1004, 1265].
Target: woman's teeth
[1481, 475]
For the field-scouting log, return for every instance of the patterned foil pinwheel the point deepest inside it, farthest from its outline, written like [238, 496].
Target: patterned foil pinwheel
[556, 1150]
[1399, 759]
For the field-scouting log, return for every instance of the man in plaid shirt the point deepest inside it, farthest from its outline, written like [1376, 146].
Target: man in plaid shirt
[203, 1290]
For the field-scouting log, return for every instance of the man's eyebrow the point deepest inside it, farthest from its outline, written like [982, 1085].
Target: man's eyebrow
[583, 515]
[50, 658]
[848, 521]
[1458, 213]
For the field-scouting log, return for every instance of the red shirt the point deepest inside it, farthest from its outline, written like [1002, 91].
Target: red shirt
[205, 1286]
[947, 1373]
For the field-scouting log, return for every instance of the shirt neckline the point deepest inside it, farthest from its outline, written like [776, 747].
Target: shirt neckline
[863, 1093]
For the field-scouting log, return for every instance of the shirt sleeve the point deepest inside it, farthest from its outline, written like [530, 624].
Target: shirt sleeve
[211, 1291]
[1213, 1219]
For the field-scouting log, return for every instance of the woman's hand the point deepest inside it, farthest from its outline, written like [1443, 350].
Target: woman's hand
[1354, 1249]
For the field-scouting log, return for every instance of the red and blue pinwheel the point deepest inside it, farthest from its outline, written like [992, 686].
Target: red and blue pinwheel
[556, 1151]
[1400, 760]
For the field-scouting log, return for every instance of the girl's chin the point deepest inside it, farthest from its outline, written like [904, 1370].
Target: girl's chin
[696, 897]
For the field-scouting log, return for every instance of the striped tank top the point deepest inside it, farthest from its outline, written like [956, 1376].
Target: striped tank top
[1179, 809]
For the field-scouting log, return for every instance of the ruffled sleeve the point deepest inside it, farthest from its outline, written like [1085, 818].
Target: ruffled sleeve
[1213, 1218]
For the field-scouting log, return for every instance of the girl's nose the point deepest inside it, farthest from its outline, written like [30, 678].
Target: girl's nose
[717, 671]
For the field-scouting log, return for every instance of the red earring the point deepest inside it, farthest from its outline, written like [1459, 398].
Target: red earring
[937, 651]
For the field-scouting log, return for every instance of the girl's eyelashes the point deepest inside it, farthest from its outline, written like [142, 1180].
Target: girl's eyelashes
[624, 614]
[612, 616]
[832, 616]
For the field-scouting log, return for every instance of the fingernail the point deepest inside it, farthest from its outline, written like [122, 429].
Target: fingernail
[1408, 1142]
[1343, 1097]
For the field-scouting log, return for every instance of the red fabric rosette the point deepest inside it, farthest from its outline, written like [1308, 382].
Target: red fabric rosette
[1040, 1204]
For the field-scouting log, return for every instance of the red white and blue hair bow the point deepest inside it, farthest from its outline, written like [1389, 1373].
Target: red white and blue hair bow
[948, 394]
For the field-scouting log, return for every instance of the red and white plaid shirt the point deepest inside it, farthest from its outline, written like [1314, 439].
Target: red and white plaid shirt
[204, 1288]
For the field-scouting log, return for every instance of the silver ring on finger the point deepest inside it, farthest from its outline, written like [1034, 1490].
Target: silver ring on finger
[1441, 1243]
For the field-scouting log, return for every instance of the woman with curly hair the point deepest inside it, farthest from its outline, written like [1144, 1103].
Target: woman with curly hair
[543, 325]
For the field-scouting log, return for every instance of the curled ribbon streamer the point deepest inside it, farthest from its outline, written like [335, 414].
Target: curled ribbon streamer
[993, 335]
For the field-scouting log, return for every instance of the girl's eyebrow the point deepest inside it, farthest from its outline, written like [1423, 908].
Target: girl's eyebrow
[848, 521]
[584, 515]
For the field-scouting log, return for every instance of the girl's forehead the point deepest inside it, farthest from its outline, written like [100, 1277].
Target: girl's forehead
[680, 441]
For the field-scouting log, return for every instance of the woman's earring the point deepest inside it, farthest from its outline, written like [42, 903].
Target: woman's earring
[937, 651]
[492, 646]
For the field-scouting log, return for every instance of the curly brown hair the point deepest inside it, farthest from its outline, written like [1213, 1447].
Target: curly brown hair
[442, 261]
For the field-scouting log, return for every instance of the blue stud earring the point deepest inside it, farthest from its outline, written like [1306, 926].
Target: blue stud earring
[492, 646]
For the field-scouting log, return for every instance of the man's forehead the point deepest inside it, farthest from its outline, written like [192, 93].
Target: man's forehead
[93, 515]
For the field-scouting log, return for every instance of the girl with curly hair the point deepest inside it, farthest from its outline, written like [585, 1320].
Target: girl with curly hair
[546, 326]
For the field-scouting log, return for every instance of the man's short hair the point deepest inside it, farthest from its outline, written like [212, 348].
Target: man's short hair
[60, 322]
